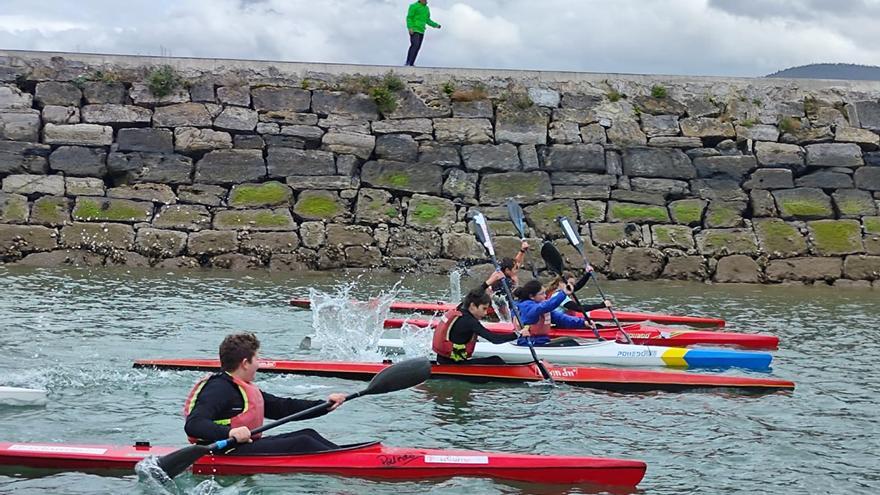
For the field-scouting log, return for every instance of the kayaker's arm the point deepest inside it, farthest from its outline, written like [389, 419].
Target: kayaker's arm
[466, 326]
[279, 407]
[549, 304]
[562, 320]
[213, 403]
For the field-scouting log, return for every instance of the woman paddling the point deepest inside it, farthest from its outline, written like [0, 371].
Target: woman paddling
[538, 313]
[456, 336]
[568, 279]
[229, 405]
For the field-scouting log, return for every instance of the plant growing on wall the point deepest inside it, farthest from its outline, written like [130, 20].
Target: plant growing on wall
[658, 91]
[163, 80]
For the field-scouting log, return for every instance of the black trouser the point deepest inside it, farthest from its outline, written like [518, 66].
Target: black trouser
[415, 43]
[486, 360]
[296, 442]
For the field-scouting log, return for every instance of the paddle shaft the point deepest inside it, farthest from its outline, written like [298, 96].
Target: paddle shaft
[515, 212]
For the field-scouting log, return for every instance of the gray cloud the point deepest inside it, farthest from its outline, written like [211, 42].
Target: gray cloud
[716, 37]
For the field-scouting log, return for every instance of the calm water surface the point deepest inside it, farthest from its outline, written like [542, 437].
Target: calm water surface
[76, 332]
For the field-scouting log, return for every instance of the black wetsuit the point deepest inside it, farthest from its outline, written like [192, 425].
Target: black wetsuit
[463, 330]
[220, 398]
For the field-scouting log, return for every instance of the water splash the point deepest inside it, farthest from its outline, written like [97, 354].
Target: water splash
[153, 479]
[455, 285]
[416, 340]
[348, 329]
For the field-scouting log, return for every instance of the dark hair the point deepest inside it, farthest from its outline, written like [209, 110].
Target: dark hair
[477, 297]
[561, 278]
[507, 264]
[237, 347]
[529, 290]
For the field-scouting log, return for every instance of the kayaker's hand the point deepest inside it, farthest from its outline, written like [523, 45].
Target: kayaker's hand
[242, 434]
[494, 278]
[589, 268]
[524, 332]
[567, 290]
[336, 399]
[524, 247]
[607, 303]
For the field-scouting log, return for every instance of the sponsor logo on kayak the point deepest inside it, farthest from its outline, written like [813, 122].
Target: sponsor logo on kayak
[56, 449]
[456, 459]
[267, 364]
[630, 354]
[397, 460]
[561, 372]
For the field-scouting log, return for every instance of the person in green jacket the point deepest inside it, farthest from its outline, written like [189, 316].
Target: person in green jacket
[417, 17]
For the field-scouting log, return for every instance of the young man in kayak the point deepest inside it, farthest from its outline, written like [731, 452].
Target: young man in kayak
[229, 405]
[456, 336]
[539, 313]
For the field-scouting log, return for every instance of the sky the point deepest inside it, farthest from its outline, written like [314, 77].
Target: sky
[686, 37]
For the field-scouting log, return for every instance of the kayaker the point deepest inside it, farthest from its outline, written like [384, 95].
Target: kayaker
[574, 284]
[510, 268]
[538, 315]
[229, 405]
[456, 336]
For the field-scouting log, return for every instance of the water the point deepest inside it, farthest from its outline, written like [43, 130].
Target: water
[76, 333]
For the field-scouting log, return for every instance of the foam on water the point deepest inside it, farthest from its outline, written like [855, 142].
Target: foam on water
[455, 285]
[416, 340]
[347, 329]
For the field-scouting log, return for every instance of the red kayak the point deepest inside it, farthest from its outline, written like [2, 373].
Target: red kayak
[364, 460]
[599, 314]
[617, 379]
[641, 334]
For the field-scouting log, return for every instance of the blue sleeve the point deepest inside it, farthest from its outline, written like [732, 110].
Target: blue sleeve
[552, 303]
[562, 320]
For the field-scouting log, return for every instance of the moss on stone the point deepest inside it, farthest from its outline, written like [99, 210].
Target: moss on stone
[634, 212]
[872, 225]
[511, 187]
[395, 179]
[728, 242]
[673, 235]
[832, 237]
[14, 209]
[317, 207]
[687, 212]
[591, 212]
[427, 212]
[50, 210]
[853, 207]
[254, 219]
[267, 194]
[391, 212]
[804, 208]
[777, 236]
[723, 216]
[108, 210]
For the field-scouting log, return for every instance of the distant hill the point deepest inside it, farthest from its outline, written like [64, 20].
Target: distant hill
[831, 71]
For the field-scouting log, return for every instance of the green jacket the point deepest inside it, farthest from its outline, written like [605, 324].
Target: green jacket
[418, 16]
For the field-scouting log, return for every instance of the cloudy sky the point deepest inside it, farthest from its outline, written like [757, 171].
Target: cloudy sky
[694, 37]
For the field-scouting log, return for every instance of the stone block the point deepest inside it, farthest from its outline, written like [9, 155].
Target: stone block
[562, 132]
[722, 242]
[737, 269]
[686, 268]
[264, 244]
[661, 186]
[672, 236]
[230, 166]
[139, 167]
[803, 204]
[17, 158]
[779, 239]
[406, 177]
[98, 236]
[650, 162]
[348, 235]
[210, 242]
[477, 109]
[52, 185]
[804, 269]
[778, 154]
[867, 178]
[238, 95]
[349, 143]
[722, 214]
[703, 127]
[834, 155]
[13, 208]
[626, 132]
[836, 237]
[660, 125]
[628, 196]
[158, 243]
[236, 119]
[758, 132]
[825, 179]
[616, 234]
[444, 155]
[853, 203]
[149, 140]
[636, 263]
[194, 139]
[20, 125]
[526, 187]
[94, 209]
[502, 157]
[263, 195]
[463, 131]
[770, 178]
[79, 161]
[397, 147]
[338, 102]
[308, 133]
[376, 206]
[61, 115]
[78, 134]
[279, 98]
[591, 211]
[761, 203]
[66, 257]
[319, 205]
[104, 92]
[265, 219]
[862, 137]
[575, 157]
[16, 240]
[188, 114]
[283, 162]
[582, 179]
[461, 185]
[542, 216]
[84, 186]
[430, 213]
[674, 142]
[415, 244]
[730, 167]
[157, 193]
[52, 211]
[639, 213]
[333, 182]
[408, 126]
[867, 114]
[687, 211]
[862, 267]
[462, 247]
[13, 98]
[202, 194]
[115, 114]
[57, 93]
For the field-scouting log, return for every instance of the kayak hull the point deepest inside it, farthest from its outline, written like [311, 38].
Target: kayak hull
[367, 460]
[617, 354]
[599, 314]
[616, 379]
[15, 396]
[641, 333]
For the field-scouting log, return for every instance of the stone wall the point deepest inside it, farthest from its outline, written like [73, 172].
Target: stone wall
[239, 164]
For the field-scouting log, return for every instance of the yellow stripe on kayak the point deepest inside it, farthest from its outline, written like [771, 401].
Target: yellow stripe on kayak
[674, 356]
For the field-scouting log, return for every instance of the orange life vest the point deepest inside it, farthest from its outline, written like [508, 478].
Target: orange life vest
[251, 415]
[444, 346]
[541, 327]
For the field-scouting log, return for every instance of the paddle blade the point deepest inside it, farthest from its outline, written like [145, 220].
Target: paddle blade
[571, 234]
[481, 227]
[180, 460]
[517, 217]
[399, 376]
[552, 257]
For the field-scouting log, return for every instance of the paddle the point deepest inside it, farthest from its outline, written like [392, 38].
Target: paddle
[517, 217]
[553, 258]
[398, 376]
[482, 232]
[575, 240]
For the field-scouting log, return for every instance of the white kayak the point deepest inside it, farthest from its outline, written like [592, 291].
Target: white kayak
[15, 396]
[616, 354]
